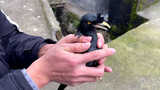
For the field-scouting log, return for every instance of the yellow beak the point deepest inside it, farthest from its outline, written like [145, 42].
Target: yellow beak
[103, 26]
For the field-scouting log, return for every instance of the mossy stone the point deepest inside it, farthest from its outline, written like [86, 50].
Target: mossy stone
[136, 64]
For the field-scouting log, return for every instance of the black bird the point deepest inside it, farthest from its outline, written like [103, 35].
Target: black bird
[87, 27]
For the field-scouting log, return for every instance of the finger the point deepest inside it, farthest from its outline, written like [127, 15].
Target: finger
[105, 46]
[87, 79]
[97, 54]
[76, 47]
[84, 39]
[71, 38]
[101, 61]
[75, 84]
[100, 41]
[83, 79]
[68, 39]
[94, 71]
[107, 69]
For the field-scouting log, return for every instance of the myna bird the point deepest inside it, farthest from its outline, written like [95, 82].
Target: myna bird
[87, 27]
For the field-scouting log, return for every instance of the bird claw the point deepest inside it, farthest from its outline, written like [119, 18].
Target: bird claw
[79, 34]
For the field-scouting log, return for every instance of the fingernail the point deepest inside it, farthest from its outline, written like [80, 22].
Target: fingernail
[109, 70]
[100, 44]
[86, 45]
[113, 50]
[87, 39]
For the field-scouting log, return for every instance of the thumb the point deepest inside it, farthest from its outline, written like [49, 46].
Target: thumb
[77, 47]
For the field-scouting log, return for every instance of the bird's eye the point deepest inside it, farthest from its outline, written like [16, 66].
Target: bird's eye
[89, 23]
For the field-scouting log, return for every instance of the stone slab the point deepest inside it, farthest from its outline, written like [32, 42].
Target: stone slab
[151, 12]
[35, 17]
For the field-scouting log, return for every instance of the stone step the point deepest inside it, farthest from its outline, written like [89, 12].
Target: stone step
[151, 12]
[35, 17]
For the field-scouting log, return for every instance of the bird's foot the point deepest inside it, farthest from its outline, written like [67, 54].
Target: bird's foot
[79, 34]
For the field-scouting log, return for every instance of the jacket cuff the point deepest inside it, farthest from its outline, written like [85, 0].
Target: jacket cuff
[39, 44]
[29, 80]
[19, 81]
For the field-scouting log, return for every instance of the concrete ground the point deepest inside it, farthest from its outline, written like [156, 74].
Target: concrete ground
[152, 12]
[34, 17]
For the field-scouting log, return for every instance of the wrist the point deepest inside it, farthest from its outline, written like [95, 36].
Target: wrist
[38, 73]
[29, 80]
[44, 49]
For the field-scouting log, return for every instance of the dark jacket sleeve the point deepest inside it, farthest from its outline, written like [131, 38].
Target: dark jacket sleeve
[21, 49]
[18, 50]
[14, 81]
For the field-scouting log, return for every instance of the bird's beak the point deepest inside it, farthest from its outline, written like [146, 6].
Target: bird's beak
[103, 25]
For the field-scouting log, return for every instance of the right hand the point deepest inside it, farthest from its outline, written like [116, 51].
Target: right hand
[64, 63]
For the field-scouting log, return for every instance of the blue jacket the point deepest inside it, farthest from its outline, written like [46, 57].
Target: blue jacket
[17, 50]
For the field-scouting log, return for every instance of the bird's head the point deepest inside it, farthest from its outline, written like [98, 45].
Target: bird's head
[90, 21]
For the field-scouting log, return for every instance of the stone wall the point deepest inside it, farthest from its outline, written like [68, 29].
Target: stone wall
[35, 17]
[142, 4]
[93, 6]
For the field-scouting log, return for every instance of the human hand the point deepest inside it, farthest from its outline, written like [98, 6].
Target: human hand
[71, 70]
[72, 39]
[100, 44]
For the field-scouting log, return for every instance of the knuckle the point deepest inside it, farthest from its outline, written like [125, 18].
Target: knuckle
[109, 53]
[74, 84]
[70, 35]
[73, 81]
[100, 34]
[95, 79]
[75, 74]
[95, 55]
[105, 46]
[77, 47]
[62, 46]
[101, 72]
[73, 62]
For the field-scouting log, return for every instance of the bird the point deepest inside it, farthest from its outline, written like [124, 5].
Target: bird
[87, 27]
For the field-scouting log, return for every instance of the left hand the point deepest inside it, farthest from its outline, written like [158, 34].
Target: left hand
[71, 38]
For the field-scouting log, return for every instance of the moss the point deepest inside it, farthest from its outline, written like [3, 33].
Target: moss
[133, 21]
[133, 15]
[143, 4]
[153, 3]
[139, 45]
[73, 19]
[134, 18]
[135, 64]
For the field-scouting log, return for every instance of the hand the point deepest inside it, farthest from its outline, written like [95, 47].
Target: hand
[68, 39]
[100, 44]
[72, 39]
[63, 63]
